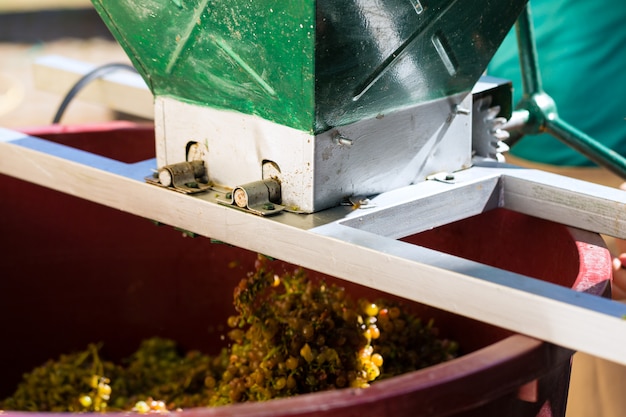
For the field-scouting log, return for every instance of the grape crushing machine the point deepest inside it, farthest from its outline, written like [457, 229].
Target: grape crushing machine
[322, 132]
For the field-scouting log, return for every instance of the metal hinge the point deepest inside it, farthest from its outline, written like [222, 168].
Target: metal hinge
[184, 177]
[259, 197]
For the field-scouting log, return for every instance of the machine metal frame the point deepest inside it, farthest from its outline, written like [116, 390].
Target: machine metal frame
[361, 245]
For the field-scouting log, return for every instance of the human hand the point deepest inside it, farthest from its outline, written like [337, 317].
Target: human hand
[619, 267]
[618, 288]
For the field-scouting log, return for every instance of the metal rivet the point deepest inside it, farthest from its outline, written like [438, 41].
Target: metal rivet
[240, 197]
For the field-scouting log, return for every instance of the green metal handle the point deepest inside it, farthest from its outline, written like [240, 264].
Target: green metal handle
[537, 113]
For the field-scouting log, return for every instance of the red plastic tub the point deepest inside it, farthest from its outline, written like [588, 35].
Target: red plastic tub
[74, 272]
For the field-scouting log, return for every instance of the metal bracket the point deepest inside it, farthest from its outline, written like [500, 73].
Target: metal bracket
[259, 197]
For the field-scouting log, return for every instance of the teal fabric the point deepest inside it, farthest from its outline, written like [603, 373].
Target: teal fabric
[582, 57]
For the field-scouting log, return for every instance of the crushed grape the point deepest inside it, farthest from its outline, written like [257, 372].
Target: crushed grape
[291, 335]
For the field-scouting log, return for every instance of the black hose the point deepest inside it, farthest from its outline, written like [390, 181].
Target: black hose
[96, 73]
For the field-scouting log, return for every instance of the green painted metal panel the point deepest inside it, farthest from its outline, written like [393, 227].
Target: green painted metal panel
[309, 64]
[241, 55]
[375, 56]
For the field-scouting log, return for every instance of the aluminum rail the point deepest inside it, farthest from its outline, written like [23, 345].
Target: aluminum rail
[360, 245]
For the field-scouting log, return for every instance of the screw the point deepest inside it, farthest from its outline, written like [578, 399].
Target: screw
[341, 139]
